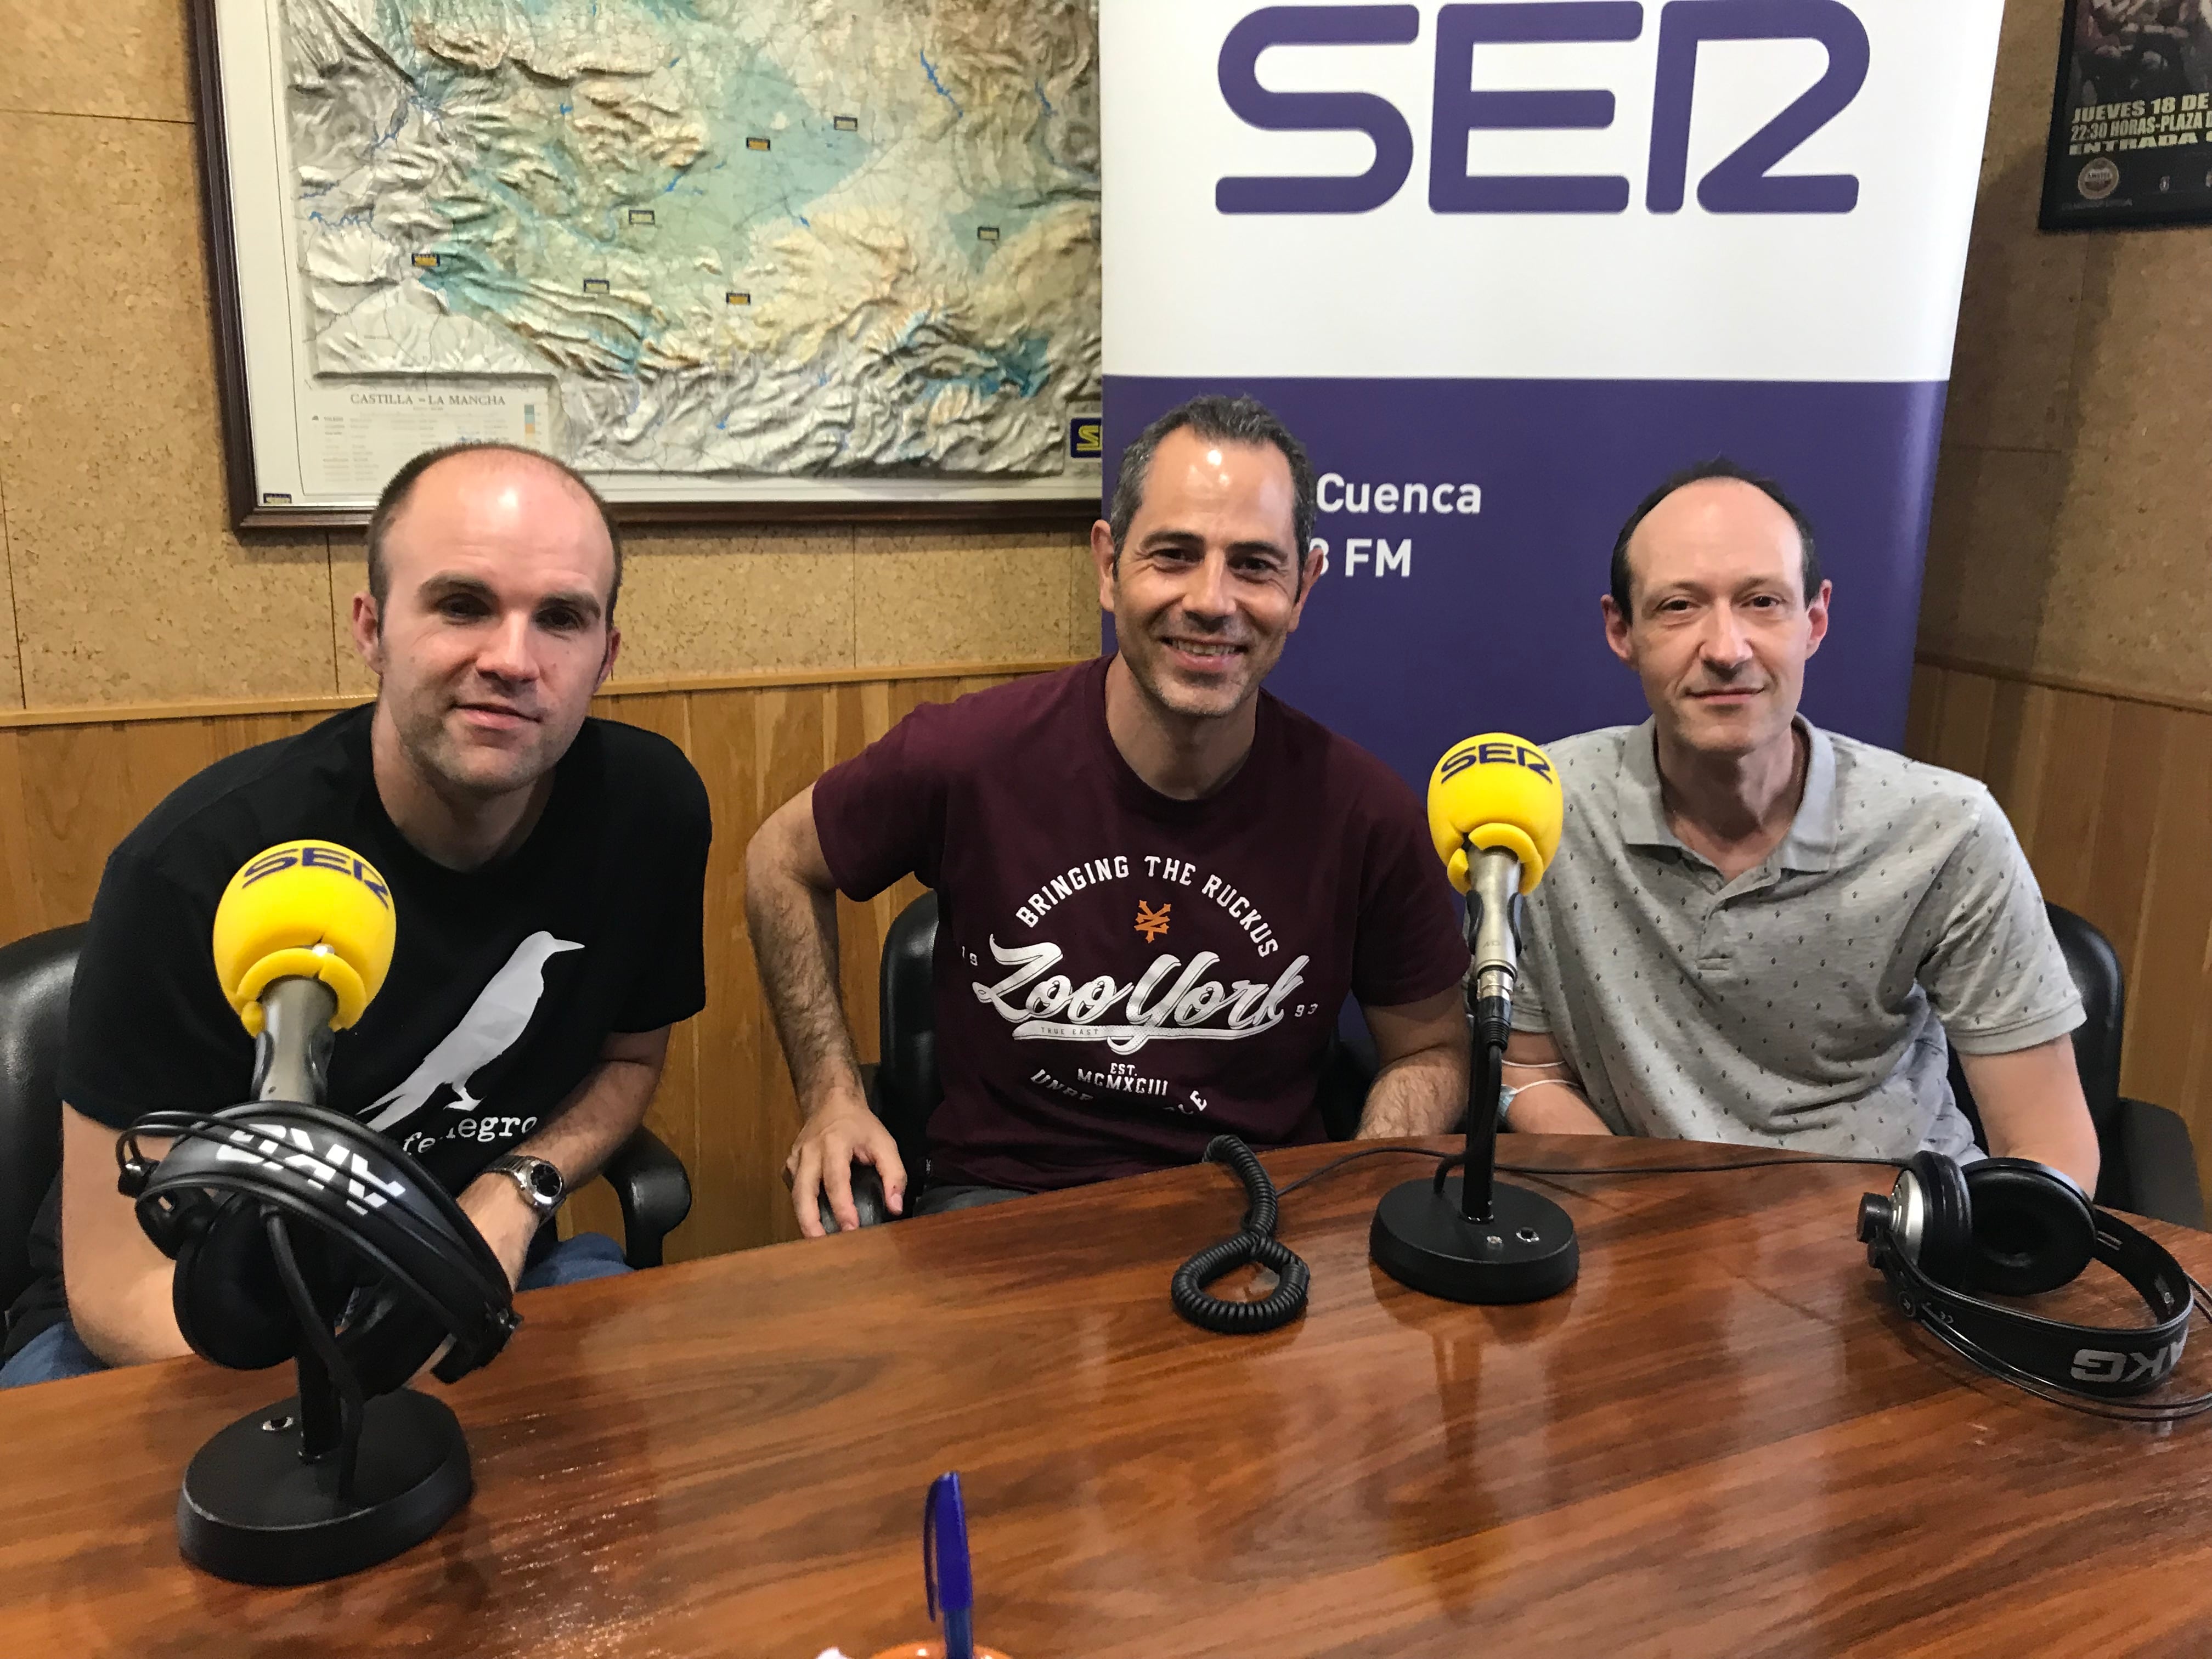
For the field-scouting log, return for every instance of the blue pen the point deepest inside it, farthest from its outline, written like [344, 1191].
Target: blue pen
[945, 1576]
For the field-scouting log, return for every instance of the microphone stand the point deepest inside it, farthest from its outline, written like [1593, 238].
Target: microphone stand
[1484, 1243]
[1486, 1082]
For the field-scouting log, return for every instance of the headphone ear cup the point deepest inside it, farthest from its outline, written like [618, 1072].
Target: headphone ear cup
[2032, 1231]
[388, 1338]
[230, 1304]
[1946, 1231]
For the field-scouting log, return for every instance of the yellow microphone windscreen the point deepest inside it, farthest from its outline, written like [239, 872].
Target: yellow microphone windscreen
[1496, 791]
[307, 909]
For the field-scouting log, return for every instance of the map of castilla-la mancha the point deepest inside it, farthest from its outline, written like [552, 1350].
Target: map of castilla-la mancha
[845, 237]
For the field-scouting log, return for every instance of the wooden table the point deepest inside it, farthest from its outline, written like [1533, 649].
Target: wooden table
[1722, 1441]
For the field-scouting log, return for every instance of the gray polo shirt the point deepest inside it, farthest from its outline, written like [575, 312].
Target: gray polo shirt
[1806, 1002]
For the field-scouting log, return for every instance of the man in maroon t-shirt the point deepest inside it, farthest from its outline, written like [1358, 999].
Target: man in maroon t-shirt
[1156, 885]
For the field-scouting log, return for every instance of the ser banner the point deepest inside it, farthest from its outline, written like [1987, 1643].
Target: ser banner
[1504, 266]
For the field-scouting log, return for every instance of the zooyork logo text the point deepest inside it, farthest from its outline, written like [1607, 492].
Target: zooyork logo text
[1161, 1006]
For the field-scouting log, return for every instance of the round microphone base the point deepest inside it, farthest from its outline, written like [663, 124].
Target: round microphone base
[251, 1512]
[1525, 1252]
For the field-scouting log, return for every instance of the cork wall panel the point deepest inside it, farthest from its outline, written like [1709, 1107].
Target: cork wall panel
[727, 602]
[11, 665]
[348, 576]
[2130, 596]
[1085, 617]
[939, 596]
[2110, 798]
[2013, 360]
[125, 57]
[128, 587]
[2072, 535]
[1992, 551]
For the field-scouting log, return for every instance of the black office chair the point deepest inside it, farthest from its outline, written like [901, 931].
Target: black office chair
[904, 1088]
[35, 975]
[2148, 1164]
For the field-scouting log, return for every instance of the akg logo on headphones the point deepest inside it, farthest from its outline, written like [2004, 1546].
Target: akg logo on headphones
[1497, 754]
[275, 1147]
[2105, 1365]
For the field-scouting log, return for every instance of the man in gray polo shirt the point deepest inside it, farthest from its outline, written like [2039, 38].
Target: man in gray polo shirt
[1755, 931]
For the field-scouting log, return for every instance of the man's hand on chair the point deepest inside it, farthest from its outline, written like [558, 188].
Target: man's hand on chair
[838, 1134]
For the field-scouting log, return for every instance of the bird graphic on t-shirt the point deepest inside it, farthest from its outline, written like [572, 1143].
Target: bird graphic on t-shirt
[494, 1023]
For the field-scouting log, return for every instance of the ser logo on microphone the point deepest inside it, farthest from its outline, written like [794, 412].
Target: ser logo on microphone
[310, 856]
[1493, 753]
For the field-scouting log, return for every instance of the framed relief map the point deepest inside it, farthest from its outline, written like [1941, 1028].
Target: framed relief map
[734, 259]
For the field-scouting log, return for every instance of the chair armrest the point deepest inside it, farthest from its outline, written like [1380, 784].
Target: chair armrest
[655, 1194]
[2161, 1165]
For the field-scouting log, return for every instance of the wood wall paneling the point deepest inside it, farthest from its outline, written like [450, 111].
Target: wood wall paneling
[68, 792]
[2112, 798]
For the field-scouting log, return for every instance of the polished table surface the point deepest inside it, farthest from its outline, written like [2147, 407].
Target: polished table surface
[1721, 1441]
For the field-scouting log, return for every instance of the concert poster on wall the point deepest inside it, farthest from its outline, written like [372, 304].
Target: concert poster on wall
[2132, 121]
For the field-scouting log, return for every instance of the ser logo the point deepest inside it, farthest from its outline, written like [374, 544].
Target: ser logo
[1495, 754]
[1743, 182]
[310, 856]
[1086, 438]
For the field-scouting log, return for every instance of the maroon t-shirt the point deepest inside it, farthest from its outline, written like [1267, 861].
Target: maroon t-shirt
[1120, 976]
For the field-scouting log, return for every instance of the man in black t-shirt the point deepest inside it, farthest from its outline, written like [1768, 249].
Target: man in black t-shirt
[547, 873]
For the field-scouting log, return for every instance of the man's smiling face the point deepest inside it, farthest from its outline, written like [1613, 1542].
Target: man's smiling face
[494, 631]
[1208, 583]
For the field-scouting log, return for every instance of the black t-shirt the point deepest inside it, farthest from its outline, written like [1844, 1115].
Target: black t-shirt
[505, 981]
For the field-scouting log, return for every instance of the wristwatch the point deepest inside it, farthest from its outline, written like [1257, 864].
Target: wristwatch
[543, 1186]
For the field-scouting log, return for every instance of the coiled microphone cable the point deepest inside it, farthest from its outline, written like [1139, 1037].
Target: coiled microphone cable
[1255, 1245]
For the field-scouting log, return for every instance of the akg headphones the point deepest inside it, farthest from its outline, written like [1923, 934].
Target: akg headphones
[386, 1255]
[2010, 1226]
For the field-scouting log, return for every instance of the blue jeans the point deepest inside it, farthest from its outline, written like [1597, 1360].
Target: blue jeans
[56, 1354]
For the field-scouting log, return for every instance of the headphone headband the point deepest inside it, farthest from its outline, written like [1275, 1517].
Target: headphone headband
[2104, 1362]
[376, 1205]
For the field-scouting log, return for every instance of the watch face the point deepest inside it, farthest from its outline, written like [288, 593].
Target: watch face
[544, 1181]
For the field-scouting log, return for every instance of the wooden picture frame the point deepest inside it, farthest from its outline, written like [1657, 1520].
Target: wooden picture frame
[252, 430]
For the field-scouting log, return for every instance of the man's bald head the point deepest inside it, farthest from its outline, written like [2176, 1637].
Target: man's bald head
[490, 458]
[1624, 574]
